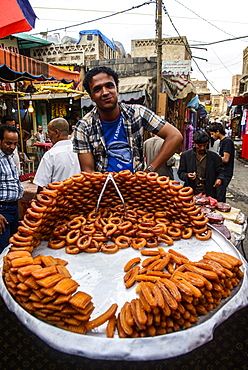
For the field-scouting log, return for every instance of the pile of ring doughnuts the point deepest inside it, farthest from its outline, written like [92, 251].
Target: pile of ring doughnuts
[158, 210]
[172, 291]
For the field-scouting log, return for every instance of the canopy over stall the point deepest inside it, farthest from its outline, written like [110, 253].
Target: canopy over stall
[16, 67]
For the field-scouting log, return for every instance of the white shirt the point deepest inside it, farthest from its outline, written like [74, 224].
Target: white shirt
[58, 164]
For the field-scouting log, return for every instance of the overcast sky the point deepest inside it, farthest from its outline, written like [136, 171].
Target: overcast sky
[201, 22]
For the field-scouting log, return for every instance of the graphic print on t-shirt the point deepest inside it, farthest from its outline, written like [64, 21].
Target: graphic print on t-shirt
[117, 147]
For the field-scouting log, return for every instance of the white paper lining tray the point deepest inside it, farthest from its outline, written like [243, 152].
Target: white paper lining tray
[101, 276]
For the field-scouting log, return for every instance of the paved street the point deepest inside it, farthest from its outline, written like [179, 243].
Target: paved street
[237, 195]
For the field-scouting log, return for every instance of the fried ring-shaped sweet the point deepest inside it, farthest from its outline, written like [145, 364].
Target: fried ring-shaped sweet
[109, 248]
[138, 243]
[151, 176]
[32, 222]
[84, 241]
[202, 222]
[94, 247]
[60, 230]
[74, 224]
[19, 243]
[23, 238]
[72, 249]
[163, 181]
[194, 212]
[186, 233]
[144, 234]
[37, 215]
[198, 217]
[115, 220]
[88, 229]
[166, 239]
[50, 192]
[81, 218]
[38, 207]
[56, 243]
[122, 241]
[26, 229]
[175, 185]
[204, 236]
[125, 225]
[202, 230]
[78, 177]
[151, 242]
[72, 236]
[160, 214]
[125, 173]
[109, 229]
[44, 199]
[141, 175]
[56, 185]
[173, 231]
[185, 191]
[99, 236]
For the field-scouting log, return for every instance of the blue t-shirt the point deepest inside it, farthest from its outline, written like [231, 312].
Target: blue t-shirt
[117, 147]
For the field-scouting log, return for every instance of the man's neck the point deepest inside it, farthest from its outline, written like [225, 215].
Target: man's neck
[111, 115]
[221, 137]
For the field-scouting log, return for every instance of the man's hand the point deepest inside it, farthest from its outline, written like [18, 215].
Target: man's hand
[3, 223]
[217, 183]
[192, 175]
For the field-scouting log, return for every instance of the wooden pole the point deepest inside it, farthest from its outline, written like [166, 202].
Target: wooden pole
[20, 124]
[159, 48]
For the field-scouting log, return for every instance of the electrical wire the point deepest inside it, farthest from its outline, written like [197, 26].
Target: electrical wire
[104, 17]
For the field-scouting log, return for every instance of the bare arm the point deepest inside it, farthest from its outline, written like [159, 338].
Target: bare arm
[226, 157]
[172, 138]
[86, 161]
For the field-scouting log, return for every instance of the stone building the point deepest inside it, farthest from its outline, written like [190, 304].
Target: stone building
[173, 48]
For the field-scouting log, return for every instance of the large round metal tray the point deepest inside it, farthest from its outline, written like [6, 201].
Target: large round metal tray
[101, 276]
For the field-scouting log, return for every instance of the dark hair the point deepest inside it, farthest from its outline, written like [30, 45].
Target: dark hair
[95, 71]
[214, 127]
[8, 118]
[9, 128]
[200, 137]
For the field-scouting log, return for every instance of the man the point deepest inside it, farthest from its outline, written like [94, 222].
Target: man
[11, 189]
[59, 163]
[40, 137]
[200, 168]
[226, 151]
[110, 137]
[10, 120]
[152, 147]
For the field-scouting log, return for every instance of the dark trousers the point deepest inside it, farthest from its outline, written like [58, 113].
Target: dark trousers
[221, 190]
[10, 212]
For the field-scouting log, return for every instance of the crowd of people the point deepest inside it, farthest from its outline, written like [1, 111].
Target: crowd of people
[110, 138]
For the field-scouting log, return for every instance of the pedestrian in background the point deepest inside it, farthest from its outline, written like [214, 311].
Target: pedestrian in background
[152, 147]
[226, 151]
[40, 137]
[10, 120]
[59, 163]
[110, 136]
[200, 168]
[11, 189]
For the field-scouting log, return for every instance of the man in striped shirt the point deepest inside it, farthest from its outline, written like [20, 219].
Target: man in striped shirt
[11, 189]
[110, 137]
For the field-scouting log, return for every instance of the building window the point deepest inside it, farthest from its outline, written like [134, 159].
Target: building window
[89, 37]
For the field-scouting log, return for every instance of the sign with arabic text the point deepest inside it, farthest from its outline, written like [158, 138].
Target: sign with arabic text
[176, 67]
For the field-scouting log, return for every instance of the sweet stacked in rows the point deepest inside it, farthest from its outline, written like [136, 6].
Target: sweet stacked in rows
[158, 210]
[172, 291]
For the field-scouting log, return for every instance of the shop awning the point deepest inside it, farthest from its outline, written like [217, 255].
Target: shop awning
[178, 87]
[129, 88]
[16, 67]
[26, 41]
[236, 100]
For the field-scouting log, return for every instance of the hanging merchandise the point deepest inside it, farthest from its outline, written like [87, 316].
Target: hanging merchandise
[58, 110]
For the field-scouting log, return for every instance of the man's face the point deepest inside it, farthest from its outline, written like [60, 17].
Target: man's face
[200, 148]
[40, 128]
[104, 92]
[9, 142]
[214, 135]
